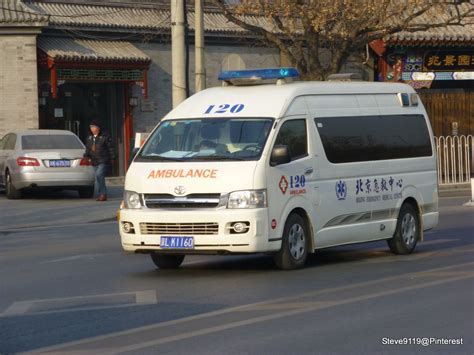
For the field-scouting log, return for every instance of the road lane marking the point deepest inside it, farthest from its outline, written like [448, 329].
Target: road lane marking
[80, 303]
[16, 308]
[146, 297]
[75, 257]
[437, 241]
[260, 319]
[289, 305]
[134, 333]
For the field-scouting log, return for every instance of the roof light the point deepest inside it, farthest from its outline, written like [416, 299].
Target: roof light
[259, 74]
[404, 99]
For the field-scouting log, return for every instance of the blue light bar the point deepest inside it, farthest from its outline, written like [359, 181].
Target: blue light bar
[272, 73]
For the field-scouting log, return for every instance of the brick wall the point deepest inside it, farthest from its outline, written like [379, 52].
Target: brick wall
[217, 58]
[18, 83]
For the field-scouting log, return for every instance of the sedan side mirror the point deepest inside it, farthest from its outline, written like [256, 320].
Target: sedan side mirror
[280, 155]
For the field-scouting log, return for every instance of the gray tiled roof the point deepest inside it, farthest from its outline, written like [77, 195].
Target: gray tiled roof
[133, 17]
[91, 51]
[454, 33]
[157, 19]
[15, 12]
[458, 34]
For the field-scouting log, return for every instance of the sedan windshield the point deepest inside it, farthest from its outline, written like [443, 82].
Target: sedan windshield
[208, 139]
[51, 141]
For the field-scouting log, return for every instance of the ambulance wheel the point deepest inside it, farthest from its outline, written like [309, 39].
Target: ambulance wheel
[407, 232]
[294, 244]
[164, 261]
[10, 191]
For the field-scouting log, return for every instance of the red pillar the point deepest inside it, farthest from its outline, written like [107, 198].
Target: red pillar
[378, 46]
[54, 78]
[127, 123]
[145, 83]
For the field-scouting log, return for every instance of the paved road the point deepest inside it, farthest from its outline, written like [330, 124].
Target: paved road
[67, 286]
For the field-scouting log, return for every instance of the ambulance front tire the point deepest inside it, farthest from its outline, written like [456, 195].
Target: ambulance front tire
[164, 261]
[294, 244]
[407, 232]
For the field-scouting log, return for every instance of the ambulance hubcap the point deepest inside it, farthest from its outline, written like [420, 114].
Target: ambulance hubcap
[297, 241]
[408, 229]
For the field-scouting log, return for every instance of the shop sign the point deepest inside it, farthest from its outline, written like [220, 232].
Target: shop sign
[448, 60]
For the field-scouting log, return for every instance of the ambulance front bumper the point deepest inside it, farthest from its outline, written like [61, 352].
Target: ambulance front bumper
[212, 231]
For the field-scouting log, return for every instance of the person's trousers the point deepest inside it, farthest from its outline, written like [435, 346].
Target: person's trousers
[100, 171]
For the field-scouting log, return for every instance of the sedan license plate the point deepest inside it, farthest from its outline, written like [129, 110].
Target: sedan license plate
[59, 163]
[169, 242]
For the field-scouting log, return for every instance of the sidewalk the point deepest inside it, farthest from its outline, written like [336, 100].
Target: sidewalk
[42, 209]
[455, 190]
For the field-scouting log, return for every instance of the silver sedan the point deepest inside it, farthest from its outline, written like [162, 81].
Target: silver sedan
[44, 159]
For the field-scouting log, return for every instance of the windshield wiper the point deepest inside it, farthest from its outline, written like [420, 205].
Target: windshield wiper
[158, 158]
[215, 158]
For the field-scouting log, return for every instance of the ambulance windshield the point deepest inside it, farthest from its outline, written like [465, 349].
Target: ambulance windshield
[210, 139]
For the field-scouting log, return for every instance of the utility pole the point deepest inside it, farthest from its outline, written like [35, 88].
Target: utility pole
[199, 46]
[178, 76]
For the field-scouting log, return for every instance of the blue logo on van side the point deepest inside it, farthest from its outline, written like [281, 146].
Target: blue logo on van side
[341, 190]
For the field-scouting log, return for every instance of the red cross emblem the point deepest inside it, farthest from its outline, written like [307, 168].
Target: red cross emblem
[283, 185]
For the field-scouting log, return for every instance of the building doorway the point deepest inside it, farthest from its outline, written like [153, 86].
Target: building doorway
[79, 103]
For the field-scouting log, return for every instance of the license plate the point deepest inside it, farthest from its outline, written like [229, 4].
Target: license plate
[59, 163]
[177, 242]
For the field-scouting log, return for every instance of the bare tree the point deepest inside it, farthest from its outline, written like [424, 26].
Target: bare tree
[303, 30]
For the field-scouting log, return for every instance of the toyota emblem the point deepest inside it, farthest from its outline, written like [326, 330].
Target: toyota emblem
[179, 190]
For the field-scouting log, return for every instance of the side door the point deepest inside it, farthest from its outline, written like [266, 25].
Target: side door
[346, 182]
[289, 184]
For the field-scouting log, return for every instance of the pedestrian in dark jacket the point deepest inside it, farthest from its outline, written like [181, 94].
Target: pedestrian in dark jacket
[100, 151]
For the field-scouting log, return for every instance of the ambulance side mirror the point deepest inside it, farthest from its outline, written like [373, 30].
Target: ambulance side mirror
[280, 155]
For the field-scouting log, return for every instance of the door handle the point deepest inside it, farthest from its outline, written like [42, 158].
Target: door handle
[308, 171]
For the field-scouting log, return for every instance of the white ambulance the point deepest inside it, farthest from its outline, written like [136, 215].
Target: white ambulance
[282, 168]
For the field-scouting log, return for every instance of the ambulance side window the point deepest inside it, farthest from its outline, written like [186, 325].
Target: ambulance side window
[293, 134]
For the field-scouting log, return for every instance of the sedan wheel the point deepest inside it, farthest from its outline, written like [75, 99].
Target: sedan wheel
[10, 191]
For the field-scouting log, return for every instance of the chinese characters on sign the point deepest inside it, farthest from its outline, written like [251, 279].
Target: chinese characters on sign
[448, 61]
[378, 189]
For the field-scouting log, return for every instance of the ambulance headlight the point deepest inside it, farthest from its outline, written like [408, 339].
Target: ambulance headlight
[131, 199]
[247, 199]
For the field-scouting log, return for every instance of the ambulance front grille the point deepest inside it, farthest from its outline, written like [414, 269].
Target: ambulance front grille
[188, 201]
[209, 228]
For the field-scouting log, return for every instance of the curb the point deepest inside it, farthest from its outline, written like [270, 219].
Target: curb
[455, 190]
[455, 193]
[115, 181]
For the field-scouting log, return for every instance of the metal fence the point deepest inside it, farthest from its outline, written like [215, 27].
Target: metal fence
[455, 159]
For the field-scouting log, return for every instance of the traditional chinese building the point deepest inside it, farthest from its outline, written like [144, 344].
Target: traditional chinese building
[439, 63]
[64, 63]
